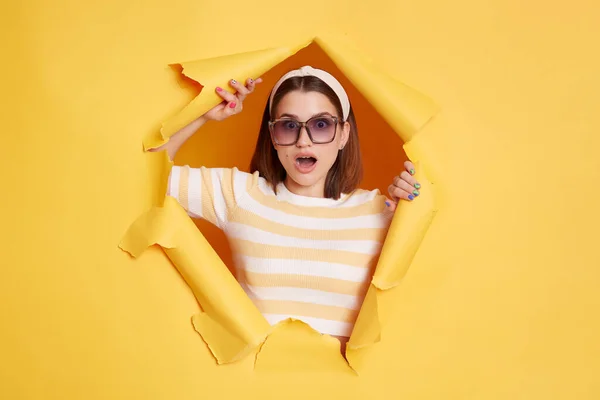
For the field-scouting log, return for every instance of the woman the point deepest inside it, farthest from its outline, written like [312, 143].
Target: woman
[305, 239]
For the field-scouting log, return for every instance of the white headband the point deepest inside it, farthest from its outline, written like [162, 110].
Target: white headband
[322, 75]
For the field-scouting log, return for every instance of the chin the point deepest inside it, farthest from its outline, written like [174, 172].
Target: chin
[307, 180]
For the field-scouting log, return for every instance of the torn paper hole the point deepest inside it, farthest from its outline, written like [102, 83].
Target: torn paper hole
[230, 323]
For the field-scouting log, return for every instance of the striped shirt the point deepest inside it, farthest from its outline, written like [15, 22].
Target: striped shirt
[299, 257]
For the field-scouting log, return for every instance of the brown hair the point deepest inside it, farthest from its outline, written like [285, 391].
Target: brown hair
[344, 175]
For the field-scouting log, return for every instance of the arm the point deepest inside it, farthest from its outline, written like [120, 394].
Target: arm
[205, 192]
[180, 137]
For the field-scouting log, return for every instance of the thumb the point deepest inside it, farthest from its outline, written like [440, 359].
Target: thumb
[390, 205]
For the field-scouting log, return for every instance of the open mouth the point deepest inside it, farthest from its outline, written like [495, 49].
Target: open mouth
[306, 161]
[305, 164]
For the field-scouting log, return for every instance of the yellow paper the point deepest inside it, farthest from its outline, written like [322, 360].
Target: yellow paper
[231, 337]
[501, 300]
[307, 351]
[404, 108]
[215, 72]
[230, 323]
[407, 230]
[401, 246]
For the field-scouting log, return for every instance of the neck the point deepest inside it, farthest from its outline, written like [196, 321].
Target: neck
[316, 190]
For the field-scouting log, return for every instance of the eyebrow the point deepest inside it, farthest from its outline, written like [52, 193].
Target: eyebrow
[316, 115]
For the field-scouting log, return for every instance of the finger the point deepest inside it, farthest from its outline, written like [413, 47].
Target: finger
[241, 90]
[409, 167]
[407, 187]
[233, 107]
[390, 205]
[410, 179]
[251, 84]
[225, 95]
[400, 194]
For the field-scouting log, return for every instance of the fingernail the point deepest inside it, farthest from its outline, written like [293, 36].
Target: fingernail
[412, 171]
[233, 81]
[416, 192]
[417, 185]
[232, 105]
[251, 80]
[219, 89]
[387, 203]
[411, 197]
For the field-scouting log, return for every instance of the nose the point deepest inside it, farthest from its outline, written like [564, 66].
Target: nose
[303, 139]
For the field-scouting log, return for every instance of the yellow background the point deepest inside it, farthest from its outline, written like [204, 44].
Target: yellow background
[500, 302]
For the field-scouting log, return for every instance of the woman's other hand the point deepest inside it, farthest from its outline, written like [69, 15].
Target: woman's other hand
[403, 187]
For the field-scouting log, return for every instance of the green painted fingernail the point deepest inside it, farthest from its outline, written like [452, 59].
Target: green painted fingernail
[416, 192]
[412, 171]
[418, 185]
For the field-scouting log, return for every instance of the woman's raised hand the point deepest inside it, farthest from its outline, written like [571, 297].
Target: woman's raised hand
[232, 102]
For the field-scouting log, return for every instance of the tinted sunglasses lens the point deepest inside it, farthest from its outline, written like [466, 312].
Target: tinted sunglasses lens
[322, 129]
[285, 132]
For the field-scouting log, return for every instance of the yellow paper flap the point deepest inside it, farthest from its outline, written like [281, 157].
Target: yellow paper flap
[367, 329]
[409, 226]
[404, 108]
[226, 305]
[218, 71]
[225, 346]
[306, 350]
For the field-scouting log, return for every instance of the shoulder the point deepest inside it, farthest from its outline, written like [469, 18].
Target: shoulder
[249, 186]
[371, 202]
[246, 180]
[232, 178]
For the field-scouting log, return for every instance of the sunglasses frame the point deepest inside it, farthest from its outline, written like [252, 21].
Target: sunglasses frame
[305, 126]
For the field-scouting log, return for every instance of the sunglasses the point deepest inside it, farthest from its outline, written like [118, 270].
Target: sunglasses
[286, 131]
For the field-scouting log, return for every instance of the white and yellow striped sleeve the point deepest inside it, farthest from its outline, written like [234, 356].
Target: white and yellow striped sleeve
[205, 193]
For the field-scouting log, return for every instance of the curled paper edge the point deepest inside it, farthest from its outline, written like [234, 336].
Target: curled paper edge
[396, 257]
[230, 323]
[213, 72]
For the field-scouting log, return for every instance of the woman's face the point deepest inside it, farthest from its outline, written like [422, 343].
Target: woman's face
[307, 163]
